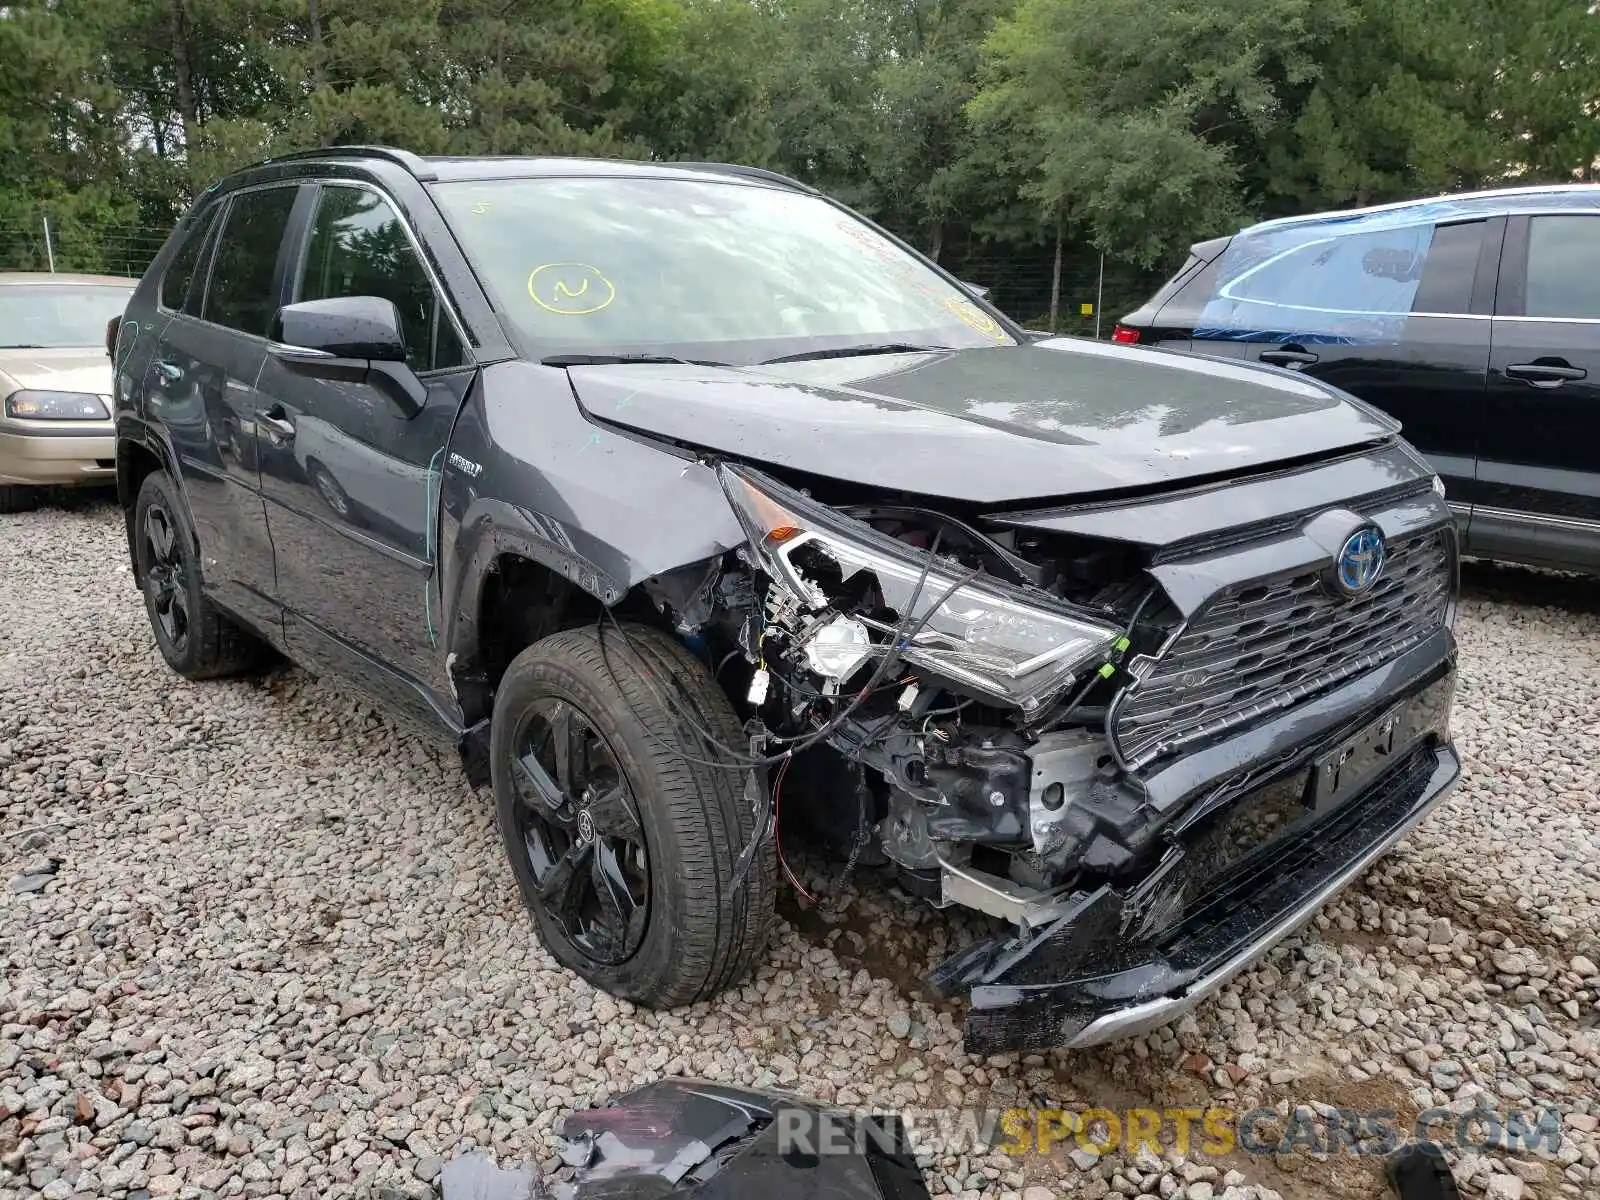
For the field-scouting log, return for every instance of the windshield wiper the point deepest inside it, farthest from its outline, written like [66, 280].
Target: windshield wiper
[607, 360]
[851, 351]
[24, 346]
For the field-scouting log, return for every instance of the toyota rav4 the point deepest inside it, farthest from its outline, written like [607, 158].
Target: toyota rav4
[669, 494]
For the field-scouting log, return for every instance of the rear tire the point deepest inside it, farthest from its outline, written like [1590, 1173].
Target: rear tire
[16, 497]
[696, 939]
[198, 640]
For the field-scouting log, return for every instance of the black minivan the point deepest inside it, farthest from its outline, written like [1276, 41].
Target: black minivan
[1474, 319]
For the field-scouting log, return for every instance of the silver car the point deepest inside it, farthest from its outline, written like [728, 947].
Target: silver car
[55, 382]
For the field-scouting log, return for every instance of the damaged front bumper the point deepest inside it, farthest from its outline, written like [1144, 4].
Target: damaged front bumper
[1120, 961]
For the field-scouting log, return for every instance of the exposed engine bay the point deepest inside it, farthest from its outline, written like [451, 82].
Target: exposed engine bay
[963, 677]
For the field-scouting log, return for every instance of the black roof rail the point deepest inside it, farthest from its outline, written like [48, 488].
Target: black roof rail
[413, 163]
[748, 172]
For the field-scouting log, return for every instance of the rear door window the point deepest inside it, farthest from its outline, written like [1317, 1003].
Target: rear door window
[1564, 267]
[243, 292]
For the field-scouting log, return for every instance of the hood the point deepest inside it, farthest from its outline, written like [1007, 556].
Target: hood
[991, 425]
[73, 369]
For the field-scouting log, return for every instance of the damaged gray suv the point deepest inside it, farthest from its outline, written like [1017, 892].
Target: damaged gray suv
[676, 495]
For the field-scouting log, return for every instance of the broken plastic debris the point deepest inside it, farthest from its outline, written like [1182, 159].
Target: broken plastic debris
[475, 1177]
[578, 1151]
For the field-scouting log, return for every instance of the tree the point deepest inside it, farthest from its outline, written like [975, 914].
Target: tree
[62, 142]
[819, 76]
[921, 144]
[1132, 122]
[707, 93]
[1009, 133]
[1399, 107]
[1541, 92]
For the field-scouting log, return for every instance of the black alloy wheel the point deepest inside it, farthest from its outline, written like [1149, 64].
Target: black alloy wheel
[197, 639]
[578, 824]
[622, 832]
[166, 581]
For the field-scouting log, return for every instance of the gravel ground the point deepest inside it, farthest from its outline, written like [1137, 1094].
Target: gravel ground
[255, 940]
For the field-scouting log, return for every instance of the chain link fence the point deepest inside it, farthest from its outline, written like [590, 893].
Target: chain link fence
[44, 246]
[1090, 295]
[1092, 291]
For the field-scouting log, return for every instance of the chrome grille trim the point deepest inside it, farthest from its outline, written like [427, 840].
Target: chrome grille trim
[1262, 646]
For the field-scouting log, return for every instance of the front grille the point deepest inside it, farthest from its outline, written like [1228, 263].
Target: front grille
[1256, 648]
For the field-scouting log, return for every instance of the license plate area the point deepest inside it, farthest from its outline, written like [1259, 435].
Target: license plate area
[1345, 770]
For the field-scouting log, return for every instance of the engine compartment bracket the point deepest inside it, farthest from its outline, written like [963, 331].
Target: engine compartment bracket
[998, 897]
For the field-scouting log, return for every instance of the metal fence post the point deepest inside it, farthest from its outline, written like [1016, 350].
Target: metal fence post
[1099, 294]
[49, 251]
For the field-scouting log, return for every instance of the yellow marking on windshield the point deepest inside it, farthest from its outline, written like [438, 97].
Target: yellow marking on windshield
[565, 289]
[971, 314]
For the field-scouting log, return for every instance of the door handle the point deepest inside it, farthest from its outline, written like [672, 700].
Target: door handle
[1290, 356]
[277, 424]
[1545, 374]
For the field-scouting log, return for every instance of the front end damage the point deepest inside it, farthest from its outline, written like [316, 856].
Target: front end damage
[1153, 735]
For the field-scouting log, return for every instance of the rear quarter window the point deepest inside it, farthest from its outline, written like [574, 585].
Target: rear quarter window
[1363, 273]
[1320, 282]
[178, 279]
[1184, 304]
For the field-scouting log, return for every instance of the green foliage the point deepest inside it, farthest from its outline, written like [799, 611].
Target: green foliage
[988, 132]
[1398, 108]
[1132, 122]
[705, 92]
[1541, 84]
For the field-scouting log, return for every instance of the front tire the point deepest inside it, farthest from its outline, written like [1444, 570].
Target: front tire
[196, 638]
[623, 845]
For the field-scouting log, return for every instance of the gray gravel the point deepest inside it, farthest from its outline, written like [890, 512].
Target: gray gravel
[254, 940]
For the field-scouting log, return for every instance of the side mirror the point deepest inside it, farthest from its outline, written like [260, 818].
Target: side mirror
[353, 338]
[977, 289]
[345, 327]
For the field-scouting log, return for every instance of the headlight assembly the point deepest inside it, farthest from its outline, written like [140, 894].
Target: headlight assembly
[997, 639]
[29, 405]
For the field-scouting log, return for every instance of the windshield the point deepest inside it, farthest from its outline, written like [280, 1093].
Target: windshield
[726, 271]
[58, 314]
